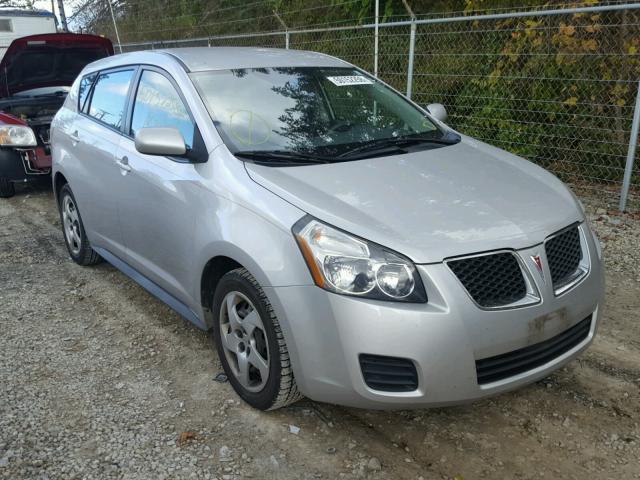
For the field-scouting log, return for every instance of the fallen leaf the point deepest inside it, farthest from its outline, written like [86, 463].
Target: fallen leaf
[185, 437]
[572, 101]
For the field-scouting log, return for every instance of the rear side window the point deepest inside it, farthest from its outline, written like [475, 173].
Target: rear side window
[83, 91]
[158, 104]
[110, 96]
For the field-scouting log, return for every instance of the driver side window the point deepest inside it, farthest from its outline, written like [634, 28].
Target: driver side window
[158, 104]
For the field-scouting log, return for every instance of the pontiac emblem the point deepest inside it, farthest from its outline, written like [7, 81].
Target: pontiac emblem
[536, 259]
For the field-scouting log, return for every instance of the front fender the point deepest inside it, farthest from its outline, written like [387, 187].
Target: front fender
[268, 251]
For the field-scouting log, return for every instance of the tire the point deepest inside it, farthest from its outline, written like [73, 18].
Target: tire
[73, 230]
[7, 188]
[239, 293]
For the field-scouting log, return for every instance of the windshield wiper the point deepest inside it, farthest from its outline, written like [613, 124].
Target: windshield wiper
[383, 145]
[282, 157]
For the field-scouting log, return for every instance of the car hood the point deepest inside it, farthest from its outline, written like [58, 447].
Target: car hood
[46, 60]
[430, 205]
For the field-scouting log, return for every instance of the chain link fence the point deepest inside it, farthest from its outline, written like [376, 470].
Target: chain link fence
[558, 87]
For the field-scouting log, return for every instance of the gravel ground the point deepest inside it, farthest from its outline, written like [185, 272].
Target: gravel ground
[100, 380]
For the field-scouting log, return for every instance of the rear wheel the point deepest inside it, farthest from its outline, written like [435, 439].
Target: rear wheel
[74, 235]
[7, 189]
[250, 343]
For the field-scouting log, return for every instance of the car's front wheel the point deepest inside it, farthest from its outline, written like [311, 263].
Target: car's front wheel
[7, 189]
[250, 343]
[74, 235]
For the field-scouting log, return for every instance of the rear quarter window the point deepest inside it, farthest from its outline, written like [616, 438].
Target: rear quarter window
[84, 88]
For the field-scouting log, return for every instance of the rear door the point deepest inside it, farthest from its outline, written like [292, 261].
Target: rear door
[159, 195]
[96, 133]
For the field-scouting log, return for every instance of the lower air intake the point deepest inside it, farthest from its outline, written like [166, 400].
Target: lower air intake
[389, 374]
[524, 359]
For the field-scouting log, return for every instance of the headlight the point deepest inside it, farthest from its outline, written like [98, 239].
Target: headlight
[348, 265]
[17, 136]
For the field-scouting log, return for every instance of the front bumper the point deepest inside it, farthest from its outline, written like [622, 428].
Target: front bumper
[23, 165]
[326, 333]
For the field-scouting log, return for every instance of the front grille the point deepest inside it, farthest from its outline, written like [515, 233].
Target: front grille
[564, 254]
[518, 361]
[389, 374]
[492, 280]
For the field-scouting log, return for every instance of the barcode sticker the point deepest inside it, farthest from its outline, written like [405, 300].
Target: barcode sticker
[343, 80]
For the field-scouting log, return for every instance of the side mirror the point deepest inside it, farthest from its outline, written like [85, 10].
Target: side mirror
[438, 111]
[160, 141]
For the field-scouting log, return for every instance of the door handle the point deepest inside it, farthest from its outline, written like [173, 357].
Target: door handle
[123, 163]
[74, 137]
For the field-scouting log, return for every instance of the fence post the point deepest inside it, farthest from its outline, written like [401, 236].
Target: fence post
[631, 153]
[286, 29]
[375, 40]
[412, 47]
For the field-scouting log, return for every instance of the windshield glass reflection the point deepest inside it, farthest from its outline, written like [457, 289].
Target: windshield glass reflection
[312, 110]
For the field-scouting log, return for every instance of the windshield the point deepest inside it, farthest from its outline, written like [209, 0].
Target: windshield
[324, 111]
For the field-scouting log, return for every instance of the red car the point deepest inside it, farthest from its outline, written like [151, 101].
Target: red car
[35, 75]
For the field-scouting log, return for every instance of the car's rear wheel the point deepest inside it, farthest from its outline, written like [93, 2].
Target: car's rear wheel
[7, 188]
[74, 235]
[250, 343]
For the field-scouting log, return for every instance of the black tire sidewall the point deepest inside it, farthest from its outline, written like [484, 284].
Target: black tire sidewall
[265, 398]
[66, 191]
[7, 188]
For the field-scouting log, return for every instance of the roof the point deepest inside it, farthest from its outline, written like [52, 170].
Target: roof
[197, 59]
[223, 58]
[200, 59]
[25, 13]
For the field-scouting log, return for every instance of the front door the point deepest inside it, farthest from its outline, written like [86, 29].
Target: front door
[158, 195]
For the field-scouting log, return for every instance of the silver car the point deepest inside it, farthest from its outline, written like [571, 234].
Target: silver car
[339, 241]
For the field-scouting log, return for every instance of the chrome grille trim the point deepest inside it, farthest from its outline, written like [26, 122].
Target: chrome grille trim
[531, 297]
[567, 283]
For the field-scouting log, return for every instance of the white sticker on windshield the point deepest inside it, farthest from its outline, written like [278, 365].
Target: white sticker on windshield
[343, 80]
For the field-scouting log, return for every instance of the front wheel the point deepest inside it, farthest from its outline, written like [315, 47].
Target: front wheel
[250, 343]
[74, 235]
[7, 188]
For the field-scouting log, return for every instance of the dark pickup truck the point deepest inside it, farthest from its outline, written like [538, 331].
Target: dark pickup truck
[35, 75]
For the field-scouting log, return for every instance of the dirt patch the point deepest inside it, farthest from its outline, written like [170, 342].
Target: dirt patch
[100, 380]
